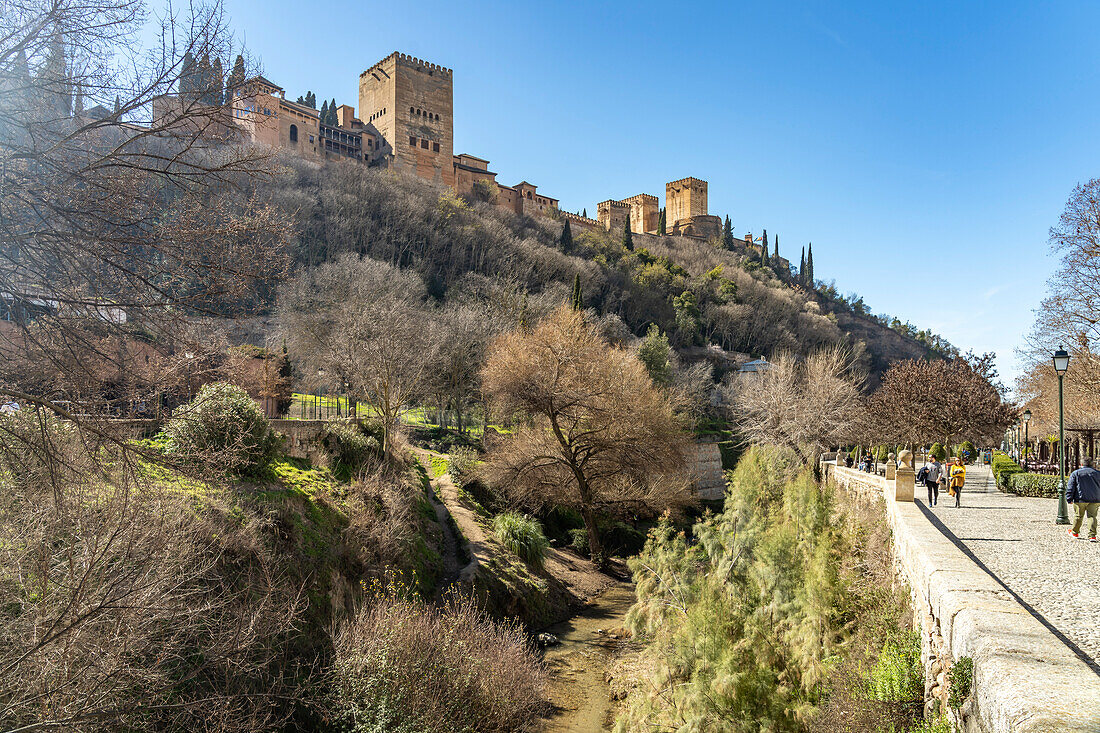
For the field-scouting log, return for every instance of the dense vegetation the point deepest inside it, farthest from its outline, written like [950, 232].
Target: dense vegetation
[776, 614]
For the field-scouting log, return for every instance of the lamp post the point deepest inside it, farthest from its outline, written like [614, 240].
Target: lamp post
[1061, 365]
[1025, 417]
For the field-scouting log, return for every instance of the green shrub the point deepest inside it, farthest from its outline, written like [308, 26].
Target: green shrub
[1003, 467]
[523, 536]
[578, 540]
[349, 446]
[462, 461]
[968, 448]
[1033, 484]
[898, 675]
[224, 428]
[959, 681]
[938, 451]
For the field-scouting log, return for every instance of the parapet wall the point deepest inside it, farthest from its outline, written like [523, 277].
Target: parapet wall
[1025, 679]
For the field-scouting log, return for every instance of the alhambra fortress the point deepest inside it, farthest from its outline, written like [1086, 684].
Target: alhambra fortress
[407, 124]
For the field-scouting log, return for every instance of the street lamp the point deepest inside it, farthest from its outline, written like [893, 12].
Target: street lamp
[1025, 417]
[1061, 365]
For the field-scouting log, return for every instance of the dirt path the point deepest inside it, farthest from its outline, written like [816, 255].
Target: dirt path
[578, 665]
[470, 530]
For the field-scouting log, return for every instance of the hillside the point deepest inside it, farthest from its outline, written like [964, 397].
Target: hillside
[698, 293]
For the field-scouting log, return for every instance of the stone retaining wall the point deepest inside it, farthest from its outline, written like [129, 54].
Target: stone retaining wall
[1025, 678]
[704, 461]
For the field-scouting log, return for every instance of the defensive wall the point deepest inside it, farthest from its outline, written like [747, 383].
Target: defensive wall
[1024, 678]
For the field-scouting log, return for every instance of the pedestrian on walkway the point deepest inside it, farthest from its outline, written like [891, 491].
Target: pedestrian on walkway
[957, 475]
[932, 480]
[1083, 491]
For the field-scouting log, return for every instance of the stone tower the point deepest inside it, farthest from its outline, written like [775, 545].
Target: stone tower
[686, 209]
[685, 198]
[410, 103]
[613, 214]
[643, 213]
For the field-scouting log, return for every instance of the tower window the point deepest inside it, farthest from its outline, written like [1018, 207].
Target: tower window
[424, 144]
[412, 141]
[411, 110]
[293, 133]
[435, 147]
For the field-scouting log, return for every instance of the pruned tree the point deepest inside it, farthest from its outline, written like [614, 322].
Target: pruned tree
[598, 436]
[806, 405]
[945, 400]
[628, 237]
[362, 325]
[661, 223]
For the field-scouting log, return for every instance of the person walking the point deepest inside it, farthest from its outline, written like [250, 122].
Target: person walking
[1083, 491]
[932, 480]
[957, 477]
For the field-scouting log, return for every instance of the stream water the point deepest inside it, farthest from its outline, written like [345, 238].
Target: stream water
[578, 688]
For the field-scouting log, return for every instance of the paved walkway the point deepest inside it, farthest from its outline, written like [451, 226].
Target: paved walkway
[1016, 540]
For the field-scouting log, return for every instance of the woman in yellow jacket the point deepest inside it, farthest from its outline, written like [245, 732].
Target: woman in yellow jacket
[957, 475]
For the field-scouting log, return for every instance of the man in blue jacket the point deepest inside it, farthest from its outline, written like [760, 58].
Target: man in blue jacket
[1083, 491]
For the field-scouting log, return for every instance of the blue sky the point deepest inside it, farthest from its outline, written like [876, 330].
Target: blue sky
[925, 150]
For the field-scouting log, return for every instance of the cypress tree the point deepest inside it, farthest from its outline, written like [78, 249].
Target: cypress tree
[217, 83]
[810, 266]
[311, 100]
[628, 237]
[775, 252]
[585, 213]
[202, 80]
[764, 249]
[236, 79]
[661, 223]
[187, 74]
[727, 234]
[802, 267]
[324, 114]
[576, 301]
[118, 105]
[566, 238]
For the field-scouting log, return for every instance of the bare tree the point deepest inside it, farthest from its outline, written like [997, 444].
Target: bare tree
[599, 437]
[130, 210]
[1067, 316]
[362, 324]
[455, 372]
[805, 405]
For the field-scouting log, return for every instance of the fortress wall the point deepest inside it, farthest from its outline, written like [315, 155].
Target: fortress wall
[1025, 679]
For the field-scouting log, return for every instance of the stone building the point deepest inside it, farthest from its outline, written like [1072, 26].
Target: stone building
[266, 116]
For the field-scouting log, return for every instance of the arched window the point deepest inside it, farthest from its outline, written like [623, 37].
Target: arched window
[411, 110]
[293, 133]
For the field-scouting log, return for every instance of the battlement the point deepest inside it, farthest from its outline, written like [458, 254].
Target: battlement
[612, 203]
[689, 181]
[578, 219]
[641, 198]
[411, 60]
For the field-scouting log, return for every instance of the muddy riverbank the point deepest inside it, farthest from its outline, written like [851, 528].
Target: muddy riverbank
[578, 686]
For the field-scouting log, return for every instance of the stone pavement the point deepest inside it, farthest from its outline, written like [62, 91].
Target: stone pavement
[1015, 539]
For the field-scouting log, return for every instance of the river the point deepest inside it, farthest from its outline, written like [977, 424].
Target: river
[578, 688]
